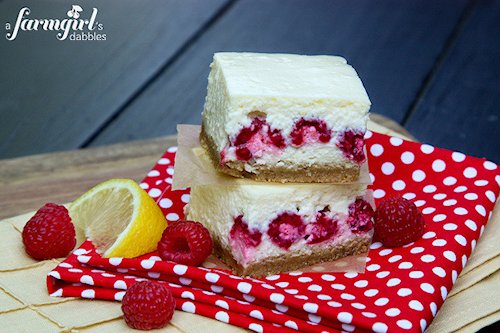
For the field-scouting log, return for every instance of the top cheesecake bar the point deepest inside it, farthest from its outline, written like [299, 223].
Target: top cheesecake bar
[285, 118]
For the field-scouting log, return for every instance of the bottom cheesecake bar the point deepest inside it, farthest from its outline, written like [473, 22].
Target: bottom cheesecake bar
[261, 229]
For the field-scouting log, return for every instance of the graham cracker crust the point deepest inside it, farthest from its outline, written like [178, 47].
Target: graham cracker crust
[281, 174]
[291, 262]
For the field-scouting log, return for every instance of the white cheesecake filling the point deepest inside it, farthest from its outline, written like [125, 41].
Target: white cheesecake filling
[284, 88]
[217, 206]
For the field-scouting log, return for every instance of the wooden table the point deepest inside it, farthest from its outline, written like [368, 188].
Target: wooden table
[432, 66]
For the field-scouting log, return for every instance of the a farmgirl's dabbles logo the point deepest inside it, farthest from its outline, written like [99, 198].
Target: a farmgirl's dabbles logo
[72, 27]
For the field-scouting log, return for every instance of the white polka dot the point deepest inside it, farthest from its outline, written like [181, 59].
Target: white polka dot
[481, 210]
[491, 196]
[427, 258]
[481, 182]
[471, 196]
[461, 240]
[393, 282]
[188, 307]
[358, 306]
[409, 196]
[375, 245]
[417, 249]
[429, 234]
[380, 328]
[444, 293]
[464, 260]
[188, 295]
[489, 165]
[378, 194]
[439, 196]
[430, 189]
[163, 161]
[180, 269]
[244, 287]
[382, 301]
[147, 264]
[439, 271]
[428, 288]
[428, 210]
[291, 324]
[460, 189]
[344, 317]
[450, 226]
[403, 292]
[454, 276]
[361, 283]
[407, 157]
[310, 307]
[398, 185]
[439, 242]
[388, 168]
[416, 274]
[395, 258]
[165, 203]
[416, 305]
[371, 292]
[438, 165]
[405, 265]
[385, 252]
[473, 244]
[460, 211]
[450, 181]
[291, 291]
[449, 202]
[392, 312]
[304, 279]
[144, 186]
[334, 304]
[382, 274]
[470, 172]
[185, 198]
[376, 149]
[277, 298]
[154, 193]
[404, 324]
[396, 141]
[88, 293]
[418, 175]
[118, 296]
[348, 328]
[439, 218]
[281, 308]
[185, 281]
[222, 316]
[372, 177]
[338, 286]
[314, 287]
[328, 277]
[368, 134]
[433, 308]
[450, 256]
[373, 267]
[471, 225]
[282, 284]
[324, 297]
[256, 327]
[172, 217]
[256, 314]
[347, 296]
[369, 314]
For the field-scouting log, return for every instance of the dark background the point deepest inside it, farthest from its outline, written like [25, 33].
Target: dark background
[432, 66]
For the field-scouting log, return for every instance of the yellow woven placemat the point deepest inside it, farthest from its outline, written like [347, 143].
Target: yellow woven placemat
[26, 307]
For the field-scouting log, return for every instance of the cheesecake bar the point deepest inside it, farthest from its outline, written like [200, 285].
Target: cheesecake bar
[270, 228]
[285, 118]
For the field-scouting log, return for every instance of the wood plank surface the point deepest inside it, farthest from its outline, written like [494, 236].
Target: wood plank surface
[460, 109]
[392, 44]
[56, 94]
[26, 183]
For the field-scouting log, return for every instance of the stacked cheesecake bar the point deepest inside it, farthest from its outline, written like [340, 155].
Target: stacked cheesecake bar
[295, 125]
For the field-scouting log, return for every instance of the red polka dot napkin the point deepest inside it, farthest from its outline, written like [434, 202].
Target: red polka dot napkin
[401, 290]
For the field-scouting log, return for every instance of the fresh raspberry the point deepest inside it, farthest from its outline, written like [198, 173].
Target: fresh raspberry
[303, 125]
[322, 229]
[360, 216]
[185, 242]
[352, 143]
[286, 229]
[148, 305]
[398, 222]
[239, 231]
[49, 233]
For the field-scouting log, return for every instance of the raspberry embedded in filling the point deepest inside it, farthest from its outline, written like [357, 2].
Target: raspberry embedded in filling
[286, 229]
[351, 143]
[308, 131]
[360, 216]
[240, 232]
[322, 229]
[257, 138]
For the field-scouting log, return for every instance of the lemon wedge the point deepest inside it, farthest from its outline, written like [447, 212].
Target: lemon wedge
[120, 218]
